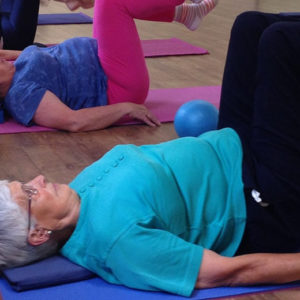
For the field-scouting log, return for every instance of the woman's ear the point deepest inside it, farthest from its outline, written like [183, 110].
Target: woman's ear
[38, 236]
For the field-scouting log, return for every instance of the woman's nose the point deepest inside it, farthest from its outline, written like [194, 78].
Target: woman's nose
[39, 181]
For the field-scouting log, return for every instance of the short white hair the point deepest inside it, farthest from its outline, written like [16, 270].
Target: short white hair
[14, 248]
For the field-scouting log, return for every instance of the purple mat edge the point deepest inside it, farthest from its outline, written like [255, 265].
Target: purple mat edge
[70, 18]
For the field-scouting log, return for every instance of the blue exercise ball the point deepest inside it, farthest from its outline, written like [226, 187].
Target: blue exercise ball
[195, 117]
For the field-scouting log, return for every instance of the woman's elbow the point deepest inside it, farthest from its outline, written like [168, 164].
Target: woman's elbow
[74, 126]
[77, 123]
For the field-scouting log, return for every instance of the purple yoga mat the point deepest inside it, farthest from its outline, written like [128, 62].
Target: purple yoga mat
[60, 19]
[162, 102]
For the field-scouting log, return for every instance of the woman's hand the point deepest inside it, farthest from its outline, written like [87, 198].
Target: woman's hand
[141, 112]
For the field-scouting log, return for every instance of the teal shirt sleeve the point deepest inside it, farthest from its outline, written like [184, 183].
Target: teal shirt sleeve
[153, 259]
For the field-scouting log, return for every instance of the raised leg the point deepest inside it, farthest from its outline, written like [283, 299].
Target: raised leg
[239, 81]
[275, 134]
[260, 100]
[120, 49]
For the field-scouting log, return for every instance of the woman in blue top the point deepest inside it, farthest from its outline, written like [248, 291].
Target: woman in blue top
[81, 85]
[171, 216]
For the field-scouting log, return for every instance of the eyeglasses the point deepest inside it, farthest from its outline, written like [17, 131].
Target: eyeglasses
[30, 191]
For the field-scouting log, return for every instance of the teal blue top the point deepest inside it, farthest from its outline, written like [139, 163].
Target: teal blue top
[147, 212]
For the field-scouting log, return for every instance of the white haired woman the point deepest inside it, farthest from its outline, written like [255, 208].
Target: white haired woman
[15, 249]
[118, 219]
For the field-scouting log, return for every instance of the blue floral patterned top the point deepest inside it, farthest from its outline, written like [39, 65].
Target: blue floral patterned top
[70, 70]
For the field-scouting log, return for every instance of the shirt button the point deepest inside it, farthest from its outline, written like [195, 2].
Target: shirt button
[121, 157]
[115, 164]
[82, 190]
[106, 171]
[91, 184]
[99, 178]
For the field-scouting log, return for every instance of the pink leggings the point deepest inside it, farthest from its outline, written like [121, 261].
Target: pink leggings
[120, 49]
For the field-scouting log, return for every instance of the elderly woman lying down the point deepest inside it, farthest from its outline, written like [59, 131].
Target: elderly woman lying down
[215, 210]
[87, 84]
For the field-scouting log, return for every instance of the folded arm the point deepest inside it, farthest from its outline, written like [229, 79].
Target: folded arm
[9, 54]
[250, 269]
[53, 113]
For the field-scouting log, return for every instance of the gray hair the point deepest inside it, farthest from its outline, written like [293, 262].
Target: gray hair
[14, 248]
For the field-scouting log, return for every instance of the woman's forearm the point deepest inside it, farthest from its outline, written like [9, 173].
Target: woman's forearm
[266, 268]
[104, 116]
[51, 112]
[250, 269]
[94, 118]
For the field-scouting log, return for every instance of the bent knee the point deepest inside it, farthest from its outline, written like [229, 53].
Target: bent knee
[135, 92]
[278, 32]
[280, 39]
[250, 22]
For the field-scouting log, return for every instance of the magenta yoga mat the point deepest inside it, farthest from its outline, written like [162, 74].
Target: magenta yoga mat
[162, 102]
[170, 47]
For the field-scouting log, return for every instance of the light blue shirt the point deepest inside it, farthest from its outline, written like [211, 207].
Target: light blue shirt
[70, 70]
[148, 212]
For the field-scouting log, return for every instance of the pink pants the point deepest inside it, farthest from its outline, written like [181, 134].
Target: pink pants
[120, 49]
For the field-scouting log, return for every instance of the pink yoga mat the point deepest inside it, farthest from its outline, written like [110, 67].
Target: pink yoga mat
[162, 102]
[167, 47]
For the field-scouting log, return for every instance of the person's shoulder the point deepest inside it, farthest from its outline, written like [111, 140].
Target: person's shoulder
[79, 41]
[31, 49]
[30, 55]
[230, 135]
[224, 142]
[220, 135]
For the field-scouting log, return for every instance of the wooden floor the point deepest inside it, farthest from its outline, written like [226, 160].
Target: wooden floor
[60, 155]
